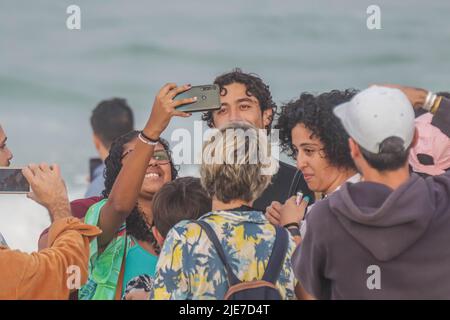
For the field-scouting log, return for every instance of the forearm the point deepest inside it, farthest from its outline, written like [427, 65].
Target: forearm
[441, 118]
[127, 186]
[60, 209]
[46, 275]
[125, 192]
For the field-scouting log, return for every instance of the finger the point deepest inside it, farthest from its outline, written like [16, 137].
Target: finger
[28, 174]
[270, 218]
[277, 206]
[275, 203]
[56, 169]
[177, 103]
[41, 171]
[181, 114]
[33, 168]
[166, 88]
[273, 221]
[292, 200]
[273, 213]
[172, 93]
[304, 203]
[31, 195]
[44, 167]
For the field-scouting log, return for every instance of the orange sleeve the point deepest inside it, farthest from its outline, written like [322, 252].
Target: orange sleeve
[52, 272]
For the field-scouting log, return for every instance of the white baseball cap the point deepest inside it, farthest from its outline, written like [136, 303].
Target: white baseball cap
[375, 114]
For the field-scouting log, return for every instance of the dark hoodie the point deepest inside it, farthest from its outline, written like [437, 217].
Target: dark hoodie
[406, 233]
[367, 241]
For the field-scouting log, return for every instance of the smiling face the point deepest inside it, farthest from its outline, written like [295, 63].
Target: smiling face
[319, 174]
[237, 106]
[5, 153]
[158, 171]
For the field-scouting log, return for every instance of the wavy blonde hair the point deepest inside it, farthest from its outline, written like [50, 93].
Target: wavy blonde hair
[236, 163]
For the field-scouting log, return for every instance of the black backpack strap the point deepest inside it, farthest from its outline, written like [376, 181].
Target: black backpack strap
[232, 279]
[278, 255]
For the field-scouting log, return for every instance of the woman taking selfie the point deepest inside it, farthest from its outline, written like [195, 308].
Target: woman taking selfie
[139, 164]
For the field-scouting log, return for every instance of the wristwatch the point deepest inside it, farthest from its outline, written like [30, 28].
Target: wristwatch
[295, 231]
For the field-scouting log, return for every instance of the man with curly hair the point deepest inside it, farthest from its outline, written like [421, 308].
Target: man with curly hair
[246, 98]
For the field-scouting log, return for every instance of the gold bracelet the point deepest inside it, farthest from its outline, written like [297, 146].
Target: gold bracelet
[436, 105]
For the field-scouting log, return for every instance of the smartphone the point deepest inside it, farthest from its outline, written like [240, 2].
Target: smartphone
[208, 98]
[13, 181]
[93, 164]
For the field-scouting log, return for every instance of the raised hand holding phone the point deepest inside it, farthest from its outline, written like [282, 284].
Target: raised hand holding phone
[12, 181]
[164, 108]
[48, 189]
[127, 186]
[208, 98]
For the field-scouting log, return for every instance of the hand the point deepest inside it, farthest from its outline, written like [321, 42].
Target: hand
[416, 96]
[273, 213]
[164, 109]
[48, 189]
[291, 213]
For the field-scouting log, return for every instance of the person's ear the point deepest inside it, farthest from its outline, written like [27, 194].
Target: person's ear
[159, 238]
[97, 143]
[416, 138]
[355, 152]
[267, 117]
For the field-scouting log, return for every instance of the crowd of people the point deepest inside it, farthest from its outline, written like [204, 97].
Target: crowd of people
[364, 213]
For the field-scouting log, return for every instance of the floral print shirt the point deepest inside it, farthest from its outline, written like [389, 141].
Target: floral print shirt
[189, 267]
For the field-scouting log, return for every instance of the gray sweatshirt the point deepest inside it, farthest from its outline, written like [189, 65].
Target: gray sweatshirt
[367, 241]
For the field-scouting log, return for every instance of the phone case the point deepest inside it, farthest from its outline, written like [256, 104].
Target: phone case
[208, 98]
[12, 181]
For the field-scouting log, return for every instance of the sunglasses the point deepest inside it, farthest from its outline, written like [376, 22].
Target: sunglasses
[160, 156]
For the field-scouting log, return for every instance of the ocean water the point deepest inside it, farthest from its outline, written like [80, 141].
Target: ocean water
[51, 77]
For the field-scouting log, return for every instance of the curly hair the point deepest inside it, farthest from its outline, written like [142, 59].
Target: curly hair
[316, 114]
[137, 226]
[255, 87]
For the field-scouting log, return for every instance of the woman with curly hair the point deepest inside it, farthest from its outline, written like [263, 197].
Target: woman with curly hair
[138, 166]
[316, 139]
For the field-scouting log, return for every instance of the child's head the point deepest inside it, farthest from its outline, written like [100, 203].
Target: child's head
[181, 199]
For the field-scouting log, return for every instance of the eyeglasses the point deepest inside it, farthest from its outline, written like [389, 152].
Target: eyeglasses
[160, 156]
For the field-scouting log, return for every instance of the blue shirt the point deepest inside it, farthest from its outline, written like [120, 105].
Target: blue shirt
[97, 185]
[2, 241]
[137, 263]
